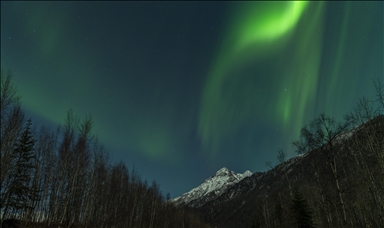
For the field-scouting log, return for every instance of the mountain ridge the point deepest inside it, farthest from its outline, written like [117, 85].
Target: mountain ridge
[211, 188]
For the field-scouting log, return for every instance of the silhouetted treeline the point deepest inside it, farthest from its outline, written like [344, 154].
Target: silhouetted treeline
[342, 180]
[337, 181]
[64, 177]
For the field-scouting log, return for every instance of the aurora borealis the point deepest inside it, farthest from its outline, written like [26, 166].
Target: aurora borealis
[181, 89]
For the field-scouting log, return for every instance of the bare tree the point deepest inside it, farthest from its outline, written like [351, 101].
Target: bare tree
[8, 95]
[11, 127]
[45, 161]
[12, 120]
[324, 134]
[281, 157]
[366, 147]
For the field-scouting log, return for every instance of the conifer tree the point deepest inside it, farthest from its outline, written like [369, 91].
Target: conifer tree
[302, 213]
[20, 191]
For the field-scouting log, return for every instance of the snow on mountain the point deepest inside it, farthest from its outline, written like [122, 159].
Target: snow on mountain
[212, 187]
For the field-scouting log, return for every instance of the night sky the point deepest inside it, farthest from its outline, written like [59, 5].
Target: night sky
[180, 89]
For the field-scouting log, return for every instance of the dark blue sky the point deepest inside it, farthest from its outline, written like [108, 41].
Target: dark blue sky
[181, 89]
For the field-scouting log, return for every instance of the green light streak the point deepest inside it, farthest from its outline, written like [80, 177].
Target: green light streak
[336, 69]
[265, 30]
[302, 72]
[268, 21]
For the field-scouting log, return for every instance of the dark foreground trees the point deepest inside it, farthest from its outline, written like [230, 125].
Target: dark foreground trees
[64, 177]
[301, 211]
[20, 189]
[353, 153]
[342, 178]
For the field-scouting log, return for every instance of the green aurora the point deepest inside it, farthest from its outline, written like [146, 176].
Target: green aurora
[290, 35]
[192, 85]
[263, 35]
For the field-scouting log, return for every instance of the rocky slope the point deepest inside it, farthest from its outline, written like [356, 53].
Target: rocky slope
[212, 188]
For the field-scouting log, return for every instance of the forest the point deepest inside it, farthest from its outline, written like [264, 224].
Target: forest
[64, 177]
[336, 179]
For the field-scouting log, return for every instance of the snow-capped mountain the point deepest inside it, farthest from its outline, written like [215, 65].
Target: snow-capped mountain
[212, 188]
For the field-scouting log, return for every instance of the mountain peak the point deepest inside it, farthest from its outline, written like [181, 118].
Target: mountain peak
[247, 173]
[223, 170]
[212, 187]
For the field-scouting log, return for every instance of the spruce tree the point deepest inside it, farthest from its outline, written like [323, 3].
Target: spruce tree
[23, 166]
[302, 213]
